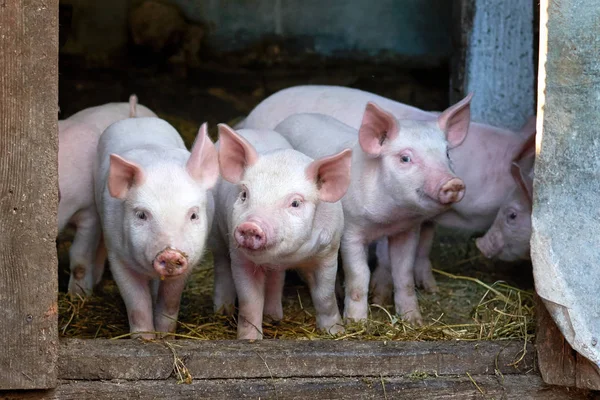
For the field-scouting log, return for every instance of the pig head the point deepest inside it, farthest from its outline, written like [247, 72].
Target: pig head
[274, 214]
[509, 236]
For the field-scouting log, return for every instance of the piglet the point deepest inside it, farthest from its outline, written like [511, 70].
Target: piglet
[508, 238]
[483, 161]
[156, 211]
[277, 209]
[78, 140]
[401, 176]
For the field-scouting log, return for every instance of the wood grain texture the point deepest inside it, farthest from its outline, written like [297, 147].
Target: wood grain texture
[557, 362]
[28, 193]
[509, 387]
[132, 359]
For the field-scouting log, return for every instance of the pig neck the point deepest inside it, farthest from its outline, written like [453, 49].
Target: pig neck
[367, 206]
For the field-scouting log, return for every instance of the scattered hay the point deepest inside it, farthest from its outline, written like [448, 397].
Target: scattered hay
[465, 308]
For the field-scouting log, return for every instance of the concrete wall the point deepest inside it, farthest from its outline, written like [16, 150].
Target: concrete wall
[417, 29]
[499, 62]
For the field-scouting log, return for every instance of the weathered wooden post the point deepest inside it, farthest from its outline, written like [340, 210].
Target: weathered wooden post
[566, 214]
[28, 193]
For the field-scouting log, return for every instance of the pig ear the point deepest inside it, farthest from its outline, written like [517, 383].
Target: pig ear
[235, 154]
[455, 120]
[377, 127]
[122, 175]
[331, 175]
[527, 149]
[133, 100]
[529, 127]
[524, 181]
[203, 165]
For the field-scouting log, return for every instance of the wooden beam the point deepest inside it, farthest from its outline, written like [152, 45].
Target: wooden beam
[558, 363]
[132, 359]
[28, 193]
[509, 387]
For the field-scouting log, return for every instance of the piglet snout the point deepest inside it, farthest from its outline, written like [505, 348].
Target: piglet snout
[170, 262]
[491, 244]
[250, 235]
[452, 191]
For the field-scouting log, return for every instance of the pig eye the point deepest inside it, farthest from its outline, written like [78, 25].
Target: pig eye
[511, 217]
[141, 215]
[405, 158]
[296, 203]
[243, 195]
[194, 216]
[448, 154]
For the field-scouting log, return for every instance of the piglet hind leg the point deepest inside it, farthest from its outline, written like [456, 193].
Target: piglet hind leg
[356, 275]
[321, 281]
[250, 283]
[224, 288]
[423, 272]
[403, 248]
[135, 290]
[382, 286]
[82, 254]
[99, 262]
[273, 308]
[168, 300]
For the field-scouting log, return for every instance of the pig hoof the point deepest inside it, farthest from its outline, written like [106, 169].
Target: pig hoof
[226, 309]
[413, 318]
[429, 285]
[144, 337]
[336, 329]
[272, 320]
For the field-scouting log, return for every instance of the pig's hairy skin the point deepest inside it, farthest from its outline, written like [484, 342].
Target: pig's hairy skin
[78, 140]
[311, 246]
[170, 193]
[489, 149]
[377, 203]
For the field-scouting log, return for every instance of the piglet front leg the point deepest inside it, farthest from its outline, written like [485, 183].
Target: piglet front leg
[273, 293]
[250, 281]
[135, 289]
[224, 294]
[356, 274]
[321, 281]
[403, 249]
[168, 300]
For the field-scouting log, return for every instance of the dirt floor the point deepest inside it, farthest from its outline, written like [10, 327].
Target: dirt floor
[476, 305]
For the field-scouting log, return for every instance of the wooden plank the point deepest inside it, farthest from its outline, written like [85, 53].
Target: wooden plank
[463, 12]
[509, 387]
[28, 193]
[132, 359]
[493, 41]
[557, 362]
[565, 218]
